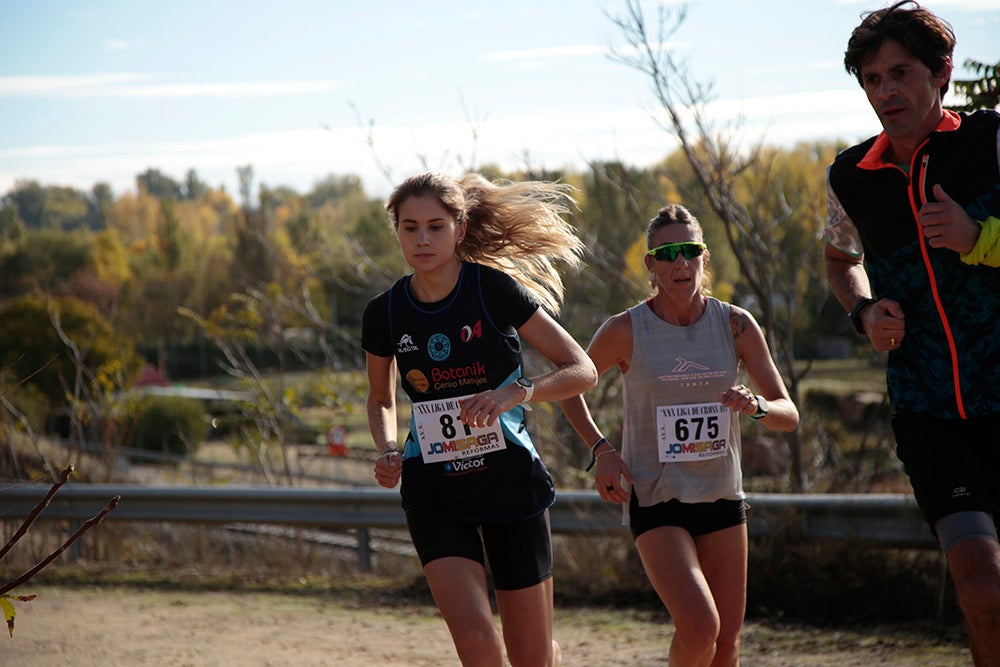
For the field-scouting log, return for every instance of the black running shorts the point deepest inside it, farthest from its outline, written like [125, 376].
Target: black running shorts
[519, 552]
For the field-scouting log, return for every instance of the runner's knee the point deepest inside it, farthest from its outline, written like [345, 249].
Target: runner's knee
[975, 570]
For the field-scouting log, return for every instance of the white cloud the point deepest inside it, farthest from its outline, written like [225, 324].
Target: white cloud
[116, 45]
[552, 138]
[133, 85]
[230, 89]
[967, 5]
[962, 5]
[65, 85]
[551, 52]
[577, 51]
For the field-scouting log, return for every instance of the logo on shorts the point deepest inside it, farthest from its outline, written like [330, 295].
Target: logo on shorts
[960, 492]
[462, 466]
[439, 347]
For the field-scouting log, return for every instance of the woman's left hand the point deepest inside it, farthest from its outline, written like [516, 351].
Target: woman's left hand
[485, 408]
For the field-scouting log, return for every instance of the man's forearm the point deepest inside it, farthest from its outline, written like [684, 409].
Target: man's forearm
[848, 281]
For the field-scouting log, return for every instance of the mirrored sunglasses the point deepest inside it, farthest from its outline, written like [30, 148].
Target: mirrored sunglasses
[668, 252]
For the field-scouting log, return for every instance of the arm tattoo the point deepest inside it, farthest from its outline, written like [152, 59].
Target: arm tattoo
[738, 323]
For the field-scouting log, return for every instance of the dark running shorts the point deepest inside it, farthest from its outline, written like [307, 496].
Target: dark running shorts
[519, 552]
[953, 464]
[696, 518]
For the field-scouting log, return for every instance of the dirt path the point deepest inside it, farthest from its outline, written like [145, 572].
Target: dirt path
[127, 628]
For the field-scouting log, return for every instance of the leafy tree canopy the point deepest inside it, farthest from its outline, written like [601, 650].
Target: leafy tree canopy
[35, 344]
[981, 92]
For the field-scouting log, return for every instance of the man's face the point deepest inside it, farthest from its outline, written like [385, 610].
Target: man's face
[904, 92]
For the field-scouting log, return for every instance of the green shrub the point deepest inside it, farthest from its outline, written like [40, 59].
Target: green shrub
[169, 425]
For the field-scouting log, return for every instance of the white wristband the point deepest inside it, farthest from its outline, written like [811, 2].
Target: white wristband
[528, 386]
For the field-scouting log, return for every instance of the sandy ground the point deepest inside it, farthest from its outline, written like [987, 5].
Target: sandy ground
[127, 627]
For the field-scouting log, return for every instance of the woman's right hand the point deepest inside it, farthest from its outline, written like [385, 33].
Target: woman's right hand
[388, 468]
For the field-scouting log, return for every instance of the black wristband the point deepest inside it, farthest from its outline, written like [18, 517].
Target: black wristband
[855, 314]
[593, 449]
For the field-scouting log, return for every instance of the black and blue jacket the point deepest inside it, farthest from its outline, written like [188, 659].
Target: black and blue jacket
[949, 363]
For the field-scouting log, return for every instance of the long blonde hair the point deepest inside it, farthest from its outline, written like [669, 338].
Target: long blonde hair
[516, 227]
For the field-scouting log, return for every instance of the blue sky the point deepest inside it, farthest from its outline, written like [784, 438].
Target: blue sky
[100, 90]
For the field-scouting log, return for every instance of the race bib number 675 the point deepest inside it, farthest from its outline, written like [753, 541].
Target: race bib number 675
[445, 437]
[693, 432]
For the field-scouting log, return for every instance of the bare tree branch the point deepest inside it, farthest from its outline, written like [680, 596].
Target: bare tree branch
[38, 509]
[87, 525]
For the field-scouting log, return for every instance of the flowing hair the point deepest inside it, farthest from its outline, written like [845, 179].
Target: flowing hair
[516, 227]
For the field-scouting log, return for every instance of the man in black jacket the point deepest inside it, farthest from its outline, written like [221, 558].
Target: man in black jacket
[912, 246]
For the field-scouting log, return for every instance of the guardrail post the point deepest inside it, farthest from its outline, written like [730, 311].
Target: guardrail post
[364, 549]
[75, 549]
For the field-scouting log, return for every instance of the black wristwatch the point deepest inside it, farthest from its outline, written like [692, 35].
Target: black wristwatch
[761, 408]
[855, 314]
[527, 385]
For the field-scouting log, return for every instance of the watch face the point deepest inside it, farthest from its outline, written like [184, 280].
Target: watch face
[761, 405]
[524, 382]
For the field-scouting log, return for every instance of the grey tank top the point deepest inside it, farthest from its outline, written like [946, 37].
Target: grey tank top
[679, 366]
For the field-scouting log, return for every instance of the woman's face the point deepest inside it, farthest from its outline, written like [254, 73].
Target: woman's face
[680, 278]
[427, 232]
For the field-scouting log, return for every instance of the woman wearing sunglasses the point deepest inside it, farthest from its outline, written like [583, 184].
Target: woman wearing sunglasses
[678, 474]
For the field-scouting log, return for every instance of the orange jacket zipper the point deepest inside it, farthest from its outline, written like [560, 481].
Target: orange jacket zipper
[916, 203]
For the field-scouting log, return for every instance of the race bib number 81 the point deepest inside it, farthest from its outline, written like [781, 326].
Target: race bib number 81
[693, 432]
[445, 437]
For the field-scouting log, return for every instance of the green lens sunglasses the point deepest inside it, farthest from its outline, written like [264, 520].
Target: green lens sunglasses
[668, 252]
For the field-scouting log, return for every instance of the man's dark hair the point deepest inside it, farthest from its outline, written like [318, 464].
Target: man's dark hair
[929, 38]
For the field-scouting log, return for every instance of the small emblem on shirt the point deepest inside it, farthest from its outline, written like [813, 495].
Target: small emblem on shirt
[689, 374]
[685, 366]
[439, 347]
[418, 380]
[470, 332]
[406, 344]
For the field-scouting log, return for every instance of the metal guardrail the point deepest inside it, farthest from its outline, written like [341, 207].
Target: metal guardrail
[878, 519]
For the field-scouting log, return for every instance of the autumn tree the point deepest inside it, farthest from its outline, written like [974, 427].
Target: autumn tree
[194, 187]
[45, 260]
[135, 217]
[613, 202]
[101, 199]
[12, 229]
[253, 263]
[159, 185]
[66, 354]
[51, 207]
